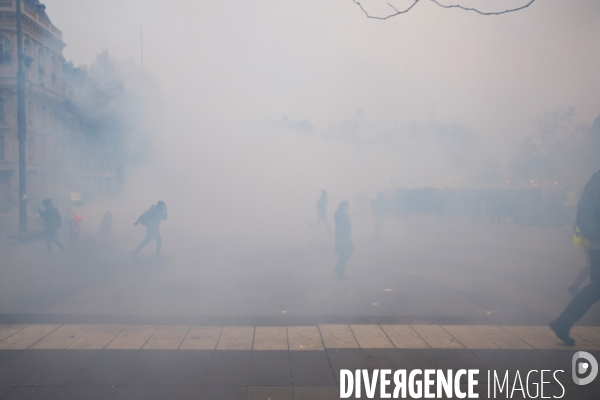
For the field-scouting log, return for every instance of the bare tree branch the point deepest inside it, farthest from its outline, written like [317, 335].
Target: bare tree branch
[397, 12]
[482, 12]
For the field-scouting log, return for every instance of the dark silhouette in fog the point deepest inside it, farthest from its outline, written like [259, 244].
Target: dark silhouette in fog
[322, 210]
[52, 221]
[343, 239]
[588, 222]
[522, 206]
[152, 219]
[106, 225]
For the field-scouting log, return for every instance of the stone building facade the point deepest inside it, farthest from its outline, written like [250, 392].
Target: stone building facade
[58, 161]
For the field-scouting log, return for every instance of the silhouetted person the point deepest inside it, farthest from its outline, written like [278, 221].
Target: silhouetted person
[152, 219]
[588, 222]
[106, 225]
[52, 221]
[343, 239]
[322, 210]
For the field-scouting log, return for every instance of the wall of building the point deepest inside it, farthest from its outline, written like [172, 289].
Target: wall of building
[58, 159]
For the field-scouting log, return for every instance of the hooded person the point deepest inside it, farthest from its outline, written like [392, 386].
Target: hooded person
[152, 219]
[343, 239]
[52, 222]
[588, 222]
[322, 210]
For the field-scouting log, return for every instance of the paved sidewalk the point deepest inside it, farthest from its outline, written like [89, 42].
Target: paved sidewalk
[72, 361]
[293, 338]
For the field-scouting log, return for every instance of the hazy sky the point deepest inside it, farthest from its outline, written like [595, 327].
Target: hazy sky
[226, 65]
[324, 60]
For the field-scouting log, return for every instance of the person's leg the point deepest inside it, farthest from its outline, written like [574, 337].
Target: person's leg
[580, 304]
[583, 274]
[158, 238]
[581, 277]
[576, 309]
[344, 263]
[48, 240]
[53, 238]
[58, 243]
[340, 268]
[144, 242]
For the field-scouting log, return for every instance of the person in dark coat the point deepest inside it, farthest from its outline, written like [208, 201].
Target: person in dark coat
[152, 219]
[52, 222]
[343, 239]
[106, 225]
[588, 222]
[322, 210]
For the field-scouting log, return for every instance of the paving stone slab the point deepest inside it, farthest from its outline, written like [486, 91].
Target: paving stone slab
[270, 393]
[229, 367]
[311, 368]
[270, 368]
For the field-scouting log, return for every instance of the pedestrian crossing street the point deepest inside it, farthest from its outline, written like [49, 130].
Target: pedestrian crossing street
[293, 338]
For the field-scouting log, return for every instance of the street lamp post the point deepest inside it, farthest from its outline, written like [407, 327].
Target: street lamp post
[21, 128]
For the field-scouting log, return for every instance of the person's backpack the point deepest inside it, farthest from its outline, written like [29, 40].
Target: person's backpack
[145, 217]
[588, 210]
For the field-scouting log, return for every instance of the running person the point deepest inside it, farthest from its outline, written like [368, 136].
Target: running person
[152, 219]
[52, 221]
[588, 222]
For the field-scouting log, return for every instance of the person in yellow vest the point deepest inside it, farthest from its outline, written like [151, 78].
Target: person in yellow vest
[579, 241]
[588, 222]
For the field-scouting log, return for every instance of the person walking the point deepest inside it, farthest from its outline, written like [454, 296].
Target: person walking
[322, 210]
[152, 219]
[588, 222]
[106, 225]
[52, 222]
[343, 239]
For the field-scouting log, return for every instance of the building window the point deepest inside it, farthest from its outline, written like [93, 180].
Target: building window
[1, 109]
[28, 53]
[5, 51]
[2, 144]
[44, 118]
[55, 69]
[41, 63]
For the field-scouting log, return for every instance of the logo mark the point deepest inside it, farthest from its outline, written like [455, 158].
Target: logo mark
[580, 367]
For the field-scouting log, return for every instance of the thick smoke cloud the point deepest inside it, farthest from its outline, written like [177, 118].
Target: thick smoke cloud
[260, 111]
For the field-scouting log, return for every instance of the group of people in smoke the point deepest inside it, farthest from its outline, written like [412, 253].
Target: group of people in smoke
[151, 219]
[587, 234]
[521, 206]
